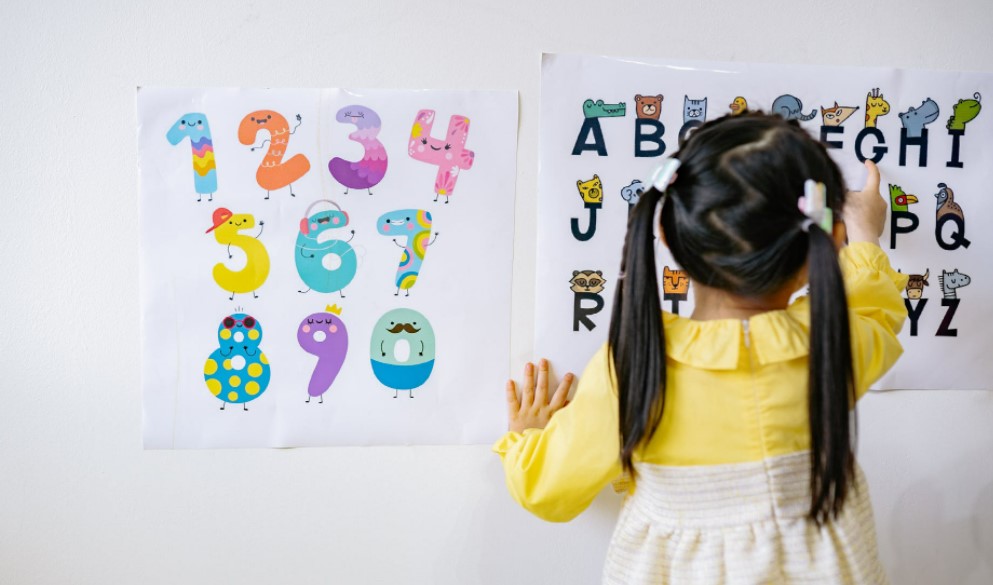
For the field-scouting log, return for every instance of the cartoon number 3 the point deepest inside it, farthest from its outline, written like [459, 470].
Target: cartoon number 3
[448, 153]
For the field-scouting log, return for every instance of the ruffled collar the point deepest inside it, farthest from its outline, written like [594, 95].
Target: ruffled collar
[775, 336]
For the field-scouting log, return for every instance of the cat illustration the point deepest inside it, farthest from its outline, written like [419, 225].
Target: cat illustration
[591, 191]
[837, 115]
[587, 281]
[648, 106]
[694, 110]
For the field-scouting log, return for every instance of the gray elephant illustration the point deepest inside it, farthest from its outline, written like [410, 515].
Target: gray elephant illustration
[790, 107]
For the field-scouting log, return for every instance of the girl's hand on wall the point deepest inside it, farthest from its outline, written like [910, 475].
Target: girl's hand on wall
[865, 210]
[534, 409]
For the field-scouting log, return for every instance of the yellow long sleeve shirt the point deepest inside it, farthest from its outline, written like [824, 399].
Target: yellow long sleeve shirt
[736, 391]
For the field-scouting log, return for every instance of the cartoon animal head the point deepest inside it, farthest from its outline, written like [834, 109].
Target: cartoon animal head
[950, 281]
[632, 193]
[899, 200]
[591, 191]
[194, 125]
[675, 281]
[964, 112]
[322, 330]
[916, 284]
[920, 116]
[239, 330]
[314, 225]
[738, 106]
[360, 116]
[694, 109]
[944, 195]
[587, 281]
[834, 116]
[404, 222]
[648, 106]
[875, 104]
[599, 109]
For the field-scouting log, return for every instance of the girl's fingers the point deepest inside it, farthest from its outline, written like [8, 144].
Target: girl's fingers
[513, 404]
[872, 179]
[559, 399]
[541, 390]
[527, 396]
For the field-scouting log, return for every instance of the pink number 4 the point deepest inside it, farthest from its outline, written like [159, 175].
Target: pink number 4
[448, 153]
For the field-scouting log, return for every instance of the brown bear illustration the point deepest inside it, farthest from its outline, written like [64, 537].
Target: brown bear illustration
[648, 106]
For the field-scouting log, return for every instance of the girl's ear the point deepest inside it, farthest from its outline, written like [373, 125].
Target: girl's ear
[839, 234]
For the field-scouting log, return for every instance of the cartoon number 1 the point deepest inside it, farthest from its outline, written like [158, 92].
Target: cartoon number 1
[195, 127]
[415, 226]
[448, 153]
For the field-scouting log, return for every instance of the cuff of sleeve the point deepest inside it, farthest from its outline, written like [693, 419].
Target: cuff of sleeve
[506, 442]
[862, 256]
[509, 440]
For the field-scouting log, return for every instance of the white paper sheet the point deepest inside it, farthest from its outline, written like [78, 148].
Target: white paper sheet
[462, 288]
[934, 358]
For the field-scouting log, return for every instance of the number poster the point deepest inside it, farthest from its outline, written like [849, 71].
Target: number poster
[607, 123]
[324, 267]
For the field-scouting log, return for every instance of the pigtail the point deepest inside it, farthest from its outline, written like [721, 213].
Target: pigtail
[636, 336]
[832, 388]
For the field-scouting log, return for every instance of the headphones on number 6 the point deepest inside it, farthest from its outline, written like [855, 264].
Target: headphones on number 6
[305, 225]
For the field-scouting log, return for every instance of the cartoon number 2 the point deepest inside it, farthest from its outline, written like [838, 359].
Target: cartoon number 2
[273, 173]
[448, 153]
[312, 252]
[415, 226]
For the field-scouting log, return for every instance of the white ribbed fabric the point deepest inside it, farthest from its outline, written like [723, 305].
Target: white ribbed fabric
[740, 523]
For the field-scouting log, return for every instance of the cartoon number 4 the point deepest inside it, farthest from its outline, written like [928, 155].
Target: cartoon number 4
[448, 153]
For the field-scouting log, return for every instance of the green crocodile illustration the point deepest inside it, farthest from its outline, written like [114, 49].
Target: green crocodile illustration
[598, 109]
[964, 112]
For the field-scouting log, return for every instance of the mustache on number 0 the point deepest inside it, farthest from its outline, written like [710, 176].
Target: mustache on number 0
[403, 327]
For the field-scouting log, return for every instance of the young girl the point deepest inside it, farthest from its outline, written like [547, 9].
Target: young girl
[735, 424]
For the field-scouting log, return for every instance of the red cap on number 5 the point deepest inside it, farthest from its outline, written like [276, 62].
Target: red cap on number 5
[221, 215]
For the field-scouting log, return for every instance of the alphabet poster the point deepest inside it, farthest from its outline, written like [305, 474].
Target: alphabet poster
[607, 123]
[324, 267]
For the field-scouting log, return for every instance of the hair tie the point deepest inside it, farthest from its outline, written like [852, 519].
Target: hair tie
[813, 205]
[665, 174]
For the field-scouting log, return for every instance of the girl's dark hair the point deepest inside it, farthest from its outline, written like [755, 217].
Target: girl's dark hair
[732, 222]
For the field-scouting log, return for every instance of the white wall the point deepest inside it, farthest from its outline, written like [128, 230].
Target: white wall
[80, 502]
